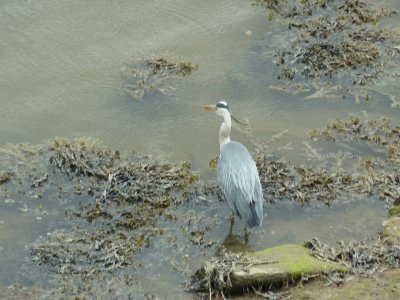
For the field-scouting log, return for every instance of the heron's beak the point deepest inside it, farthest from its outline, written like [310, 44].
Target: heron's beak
[211, 107]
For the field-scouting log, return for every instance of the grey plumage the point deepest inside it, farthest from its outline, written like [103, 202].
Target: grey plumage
[239, 181]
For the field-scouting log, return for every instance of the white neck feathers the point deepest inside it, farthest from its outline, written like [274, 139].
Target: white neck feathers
[225, 130]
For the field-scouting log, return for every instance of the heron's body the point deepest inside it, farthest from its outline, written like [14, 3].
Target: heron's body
[237, 173]
[238, 179]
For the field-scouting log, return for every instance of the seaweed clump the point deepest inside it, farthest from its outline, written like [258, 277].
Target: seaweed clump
[5, 177]
[376, 174]
[114, 203]
[381, 133]
[344, 42]
[361, 257]
[304, 184]
[151, 75]
[292, 8]
[127, 197]
[214, 275]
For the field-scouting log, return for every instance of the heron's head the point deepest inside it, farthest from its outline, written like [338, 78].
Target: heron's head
[221, 109]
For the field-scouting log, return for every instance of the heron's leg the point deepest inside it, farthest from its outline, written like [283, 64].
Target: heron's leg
[232, 222]
[246, 234]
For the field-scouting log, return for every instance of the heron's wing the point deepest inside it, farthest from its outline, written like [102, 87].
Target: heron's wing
[238, 178]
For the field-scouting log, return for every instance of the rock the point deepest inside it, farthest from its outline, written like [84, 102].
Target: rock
[285, 263]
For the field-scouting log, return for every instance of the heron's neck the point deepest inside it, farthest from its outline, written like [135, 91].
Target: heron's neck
[225, 130]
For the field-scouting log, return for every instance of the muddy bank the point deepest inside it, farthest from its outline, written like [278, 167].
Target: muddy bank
[383, 285]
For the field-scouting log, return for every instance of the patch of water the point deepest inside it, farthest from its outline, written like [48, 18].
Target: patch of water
[60, 76]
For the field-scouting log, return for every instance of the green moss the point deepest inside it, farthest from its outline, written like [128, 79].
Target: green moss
[391, 228]
[394, 211]
[285, 263]
[297, 260]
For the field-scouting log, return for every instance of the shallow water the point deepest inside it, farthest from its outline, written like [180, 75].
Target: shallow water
[61, 76]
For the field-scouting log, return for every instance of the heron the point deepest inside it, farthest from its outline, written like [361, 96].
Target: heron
[237, 173]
